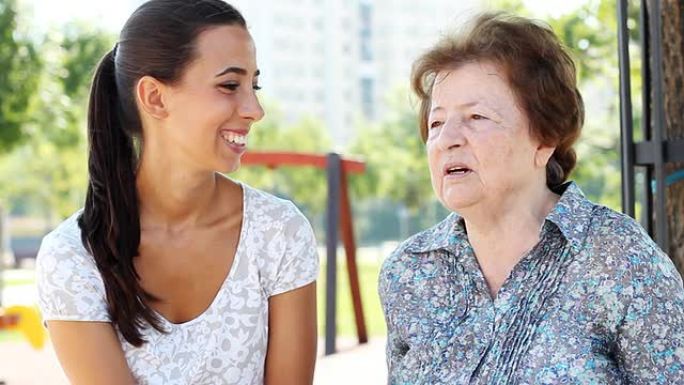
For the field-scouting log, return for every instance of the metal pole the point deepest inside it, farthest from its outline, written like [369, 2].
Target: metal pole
[644, 36]
[333, 209]
[661, 231]
[626, 126]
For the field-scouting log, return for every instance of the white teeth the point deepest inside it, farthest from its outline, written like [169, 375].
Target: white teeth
[234, 138]
[457, 170]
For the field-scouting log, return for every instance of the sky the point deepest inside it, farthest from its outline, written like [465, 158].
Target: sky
[543, 8]
[111, 14]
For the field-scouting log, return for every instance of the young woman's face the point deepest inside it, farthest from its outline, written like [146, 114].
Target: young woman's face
[212, 107]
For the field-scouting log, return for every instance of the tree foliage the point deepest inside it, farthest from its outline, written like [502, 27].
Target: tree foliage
[18, 78]
[395, 157]
[47, 173]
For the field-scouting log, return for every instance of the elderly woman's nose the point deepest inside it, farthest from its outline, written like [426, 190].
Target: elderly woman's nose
[451, 134]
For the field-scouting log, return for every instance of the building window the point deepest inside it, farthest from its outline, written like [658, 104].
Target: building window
[367, 102]
[366, 32]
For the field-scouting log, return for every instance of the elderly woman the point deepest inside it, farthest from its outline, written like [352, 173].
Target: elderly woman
[526, 282]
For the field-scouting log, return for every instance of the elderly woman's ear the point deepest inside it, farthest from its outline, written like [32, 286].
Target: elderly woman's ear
[543, 155]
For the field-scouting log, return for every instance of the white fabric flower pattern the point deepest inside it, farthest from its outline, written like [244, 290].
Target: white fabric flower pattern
[226, 344]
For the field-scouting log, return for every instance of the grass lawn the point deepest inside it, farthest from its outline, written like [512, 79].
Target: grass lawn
[16, 277]
[368, 281]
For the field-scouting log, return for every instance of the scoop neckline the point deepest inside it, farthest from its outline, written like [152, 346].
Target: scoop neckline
[229, 277]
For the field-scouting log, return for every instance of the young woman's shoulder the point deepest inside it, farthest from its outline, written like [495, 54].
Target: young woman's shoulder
[269, 210]
[69, 284]
[288, 257]
[67, 235]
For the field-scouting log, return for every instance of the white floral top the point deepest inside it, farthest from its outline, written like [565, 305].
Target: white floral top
[226, 344]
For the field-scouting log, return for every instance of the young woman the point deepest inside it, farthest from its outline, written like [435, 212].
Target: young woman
[173, 273]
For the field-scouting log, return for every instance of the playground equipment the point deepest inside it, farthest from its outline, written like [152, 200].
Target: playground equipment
[339, 220]
[22, 318]
[27, 321]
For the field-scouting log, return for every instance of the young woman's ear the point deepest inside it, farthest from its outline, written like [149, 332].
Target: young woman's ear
[149, 94]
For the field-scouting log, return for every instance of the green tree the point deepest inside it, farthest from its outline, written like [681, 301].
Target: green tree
[18, 78]
[52, 161]
[80, 49]
[395, 157]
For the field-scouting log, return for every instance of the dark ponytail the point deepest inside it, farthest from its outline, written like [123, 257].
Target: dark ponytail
[110, 221]
[157, 40]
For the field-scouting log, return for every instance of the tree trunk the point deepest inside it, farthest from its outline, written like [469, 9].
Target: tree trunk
[673, 71]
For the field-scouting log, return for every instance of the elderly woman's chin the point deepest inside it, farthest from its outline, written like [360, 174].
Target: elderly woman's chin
[459, 196]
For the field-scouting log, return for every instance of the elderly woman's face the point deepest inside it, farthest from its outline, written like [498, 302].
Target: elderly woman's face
[479, 145]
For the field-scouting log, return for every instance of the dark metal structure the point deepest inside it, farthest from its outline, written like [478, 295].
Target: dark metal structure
[653, 152]
[333, 218]
[338, 223]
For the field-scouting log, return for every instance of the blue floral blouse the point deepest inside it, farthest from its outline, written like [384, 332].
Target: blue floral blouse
[595, 302]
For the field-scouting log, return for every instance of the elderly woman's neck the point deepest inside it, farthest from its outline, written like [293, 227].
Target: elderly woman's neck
[501, 235]
[521, 211]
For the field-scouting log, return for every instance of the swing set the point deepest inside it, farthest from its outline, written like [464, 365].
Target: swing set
[338, 222]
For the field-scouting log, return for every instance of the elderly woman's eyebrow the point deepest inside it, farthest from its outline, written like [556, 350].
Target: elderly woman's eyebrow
[461, 105]
[494, 107]
[482, 102]
[436, 108]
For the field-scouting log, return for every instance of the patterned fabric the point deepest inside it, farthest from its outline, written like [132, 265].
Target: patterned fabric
[595, 302]
[227, 343]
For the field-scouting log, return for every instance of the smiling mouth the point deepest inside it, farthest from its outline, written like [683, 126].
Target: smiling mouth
[234, 138]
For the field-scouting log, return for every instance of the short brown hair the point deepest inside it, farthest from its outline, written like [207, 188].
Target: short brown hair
[538, 68]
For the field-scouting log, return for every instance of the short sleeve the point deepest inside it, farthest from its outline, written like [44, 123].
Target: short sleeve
[70, 287]
[298, 264]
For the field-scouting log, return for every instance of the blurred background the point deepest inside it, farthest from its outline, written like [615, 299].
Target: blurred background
[335, 78]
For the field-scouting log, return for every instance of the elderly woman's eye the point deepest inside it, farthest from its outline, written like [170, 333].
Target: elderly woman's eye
[477, 117]
[435, 124]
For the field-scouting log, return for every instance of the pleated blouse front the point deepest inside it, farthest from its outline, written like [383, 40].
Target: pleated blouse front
[595, 302]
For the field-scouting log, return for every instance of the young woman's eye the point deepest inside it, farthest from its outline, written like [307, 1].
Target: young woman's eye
[230, 86]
